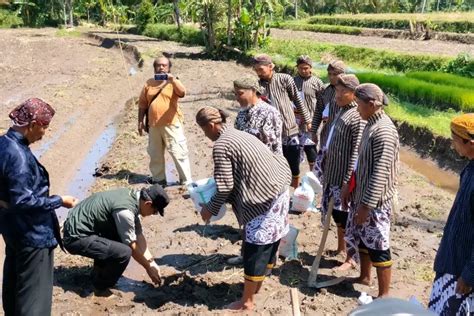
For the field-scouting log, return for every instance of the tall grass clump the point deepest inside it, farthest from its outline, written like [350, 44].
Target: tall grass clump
[442, 97]
[9, 19]
[442, 78]
[366, 57]
[188, 35]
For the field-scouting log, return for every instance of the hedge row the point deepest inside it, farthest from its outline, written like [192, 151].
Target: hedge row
[398, 24]
[323, 28]
[443, 78]
[437, 96]
[168, 32]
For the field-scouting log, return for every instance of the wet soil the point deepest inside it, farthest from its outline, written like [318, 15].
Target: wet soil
[192, 255]
[431, 47]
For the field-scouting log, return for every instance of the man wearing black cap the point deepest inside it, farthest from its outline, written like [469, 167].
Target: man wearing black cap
[106, 227]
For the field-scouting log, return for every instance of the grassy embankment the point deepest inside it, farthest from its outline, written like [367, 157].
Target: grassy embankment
[441, 22]
[358, 23]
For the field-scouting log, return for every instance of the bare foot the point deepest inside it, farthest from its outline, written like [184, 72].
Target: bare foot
[360, 280]
[348, 265]
[239, 306]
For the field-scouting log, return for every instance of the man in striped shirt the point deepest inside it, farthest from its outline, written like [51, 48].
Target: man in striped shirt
[255, 181]
[281, 92]
[340, 155]
[326, 112]
[373, 188]
[310, 89]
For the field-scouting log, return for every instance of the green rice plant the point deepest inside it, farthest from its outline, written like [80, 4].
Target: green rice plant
[442, 78]
[188, 35]
[435, 121]
[289, 50]
[437, 96]
[323, 28]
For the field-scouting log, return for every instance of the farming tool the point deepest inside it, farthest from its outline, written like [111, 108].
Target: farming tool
[313, 276]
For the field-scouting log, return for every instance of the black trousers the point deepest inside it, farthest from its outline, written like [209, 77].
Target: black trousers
[110, 258]
[27, 279]
[292, 155]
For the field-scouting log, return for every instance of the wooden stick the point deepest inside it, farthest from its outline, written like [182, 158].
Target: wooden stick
[295, 302]
[315, 267]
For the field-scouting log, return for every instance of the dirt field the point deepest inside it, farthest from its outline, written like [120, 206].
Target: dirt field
[431, 47]
[88, 85]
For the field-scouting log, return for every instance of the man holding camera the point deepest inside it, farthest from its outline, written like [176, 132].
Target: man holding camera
[159, 115]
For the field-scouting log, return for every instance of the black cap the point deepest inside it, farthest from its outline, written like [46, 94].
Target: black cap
[157, 195]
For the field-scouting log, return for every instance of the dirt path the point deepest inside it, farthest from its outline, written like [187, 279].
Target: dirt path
[77, 77]
[180, 240]
[432, 47]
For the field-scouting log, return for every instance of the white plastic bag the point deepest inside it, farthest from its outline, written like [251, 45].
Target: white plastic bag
[303, 197]
[201, 191]
[288, 247]
[314, 182]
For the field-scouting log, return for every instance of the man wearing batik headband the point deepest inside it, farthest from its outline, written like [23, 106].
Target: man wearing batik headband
[28, 219]
[310, 89]
[452, 292]
[326, 111]
[340, 155]
[281, 92]
[373, 189]
[255, 181]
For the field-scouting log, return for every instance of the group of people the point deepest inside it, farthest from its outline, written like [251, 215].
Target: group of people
[348, 140]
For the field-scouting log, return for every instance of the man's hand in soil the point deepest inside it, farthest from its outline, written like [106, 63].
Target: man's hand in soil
[345, 196]
[462, 287]
[362, 214]
[154, 272]
[205, 213]
[69, 201]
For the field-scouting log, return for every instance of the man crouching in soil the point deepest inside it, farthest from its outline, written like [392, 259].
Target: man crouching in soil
[106, 227]
[255, 181]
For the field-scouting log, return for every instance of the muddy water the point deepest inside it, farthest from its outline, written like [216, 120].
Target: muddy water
[84, 178]
[443, 179]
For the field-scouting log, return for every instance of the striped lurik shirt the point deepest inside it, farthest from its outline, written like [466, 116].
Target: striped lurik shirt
[329, 99]
[282, 93]
[312, 89]
[342, 151]
[248, 175]
[377, 166]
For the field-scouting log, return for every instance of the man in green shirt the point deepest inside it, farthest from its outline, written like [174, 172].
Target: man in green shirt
[106, 227]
